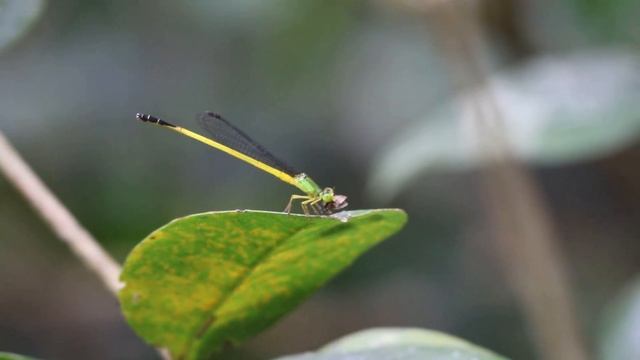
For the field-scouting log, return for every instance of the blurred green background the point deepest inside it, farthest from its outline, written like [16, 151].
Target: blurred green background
[356, 93]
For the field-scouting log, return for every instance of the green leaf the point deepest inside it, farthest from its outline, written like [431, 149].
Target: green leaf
[399, 343]
[604, 20]
[219, 277]
[16, 16]
[621, 331]
[553, 114]
[11, 356]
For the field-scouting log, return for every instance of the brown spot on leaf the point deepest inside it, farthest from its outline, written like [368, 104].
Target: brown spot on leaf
[205, 326]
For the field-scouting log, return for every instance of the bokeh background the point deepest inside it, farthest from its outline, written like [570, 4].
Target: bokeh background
[363, 96]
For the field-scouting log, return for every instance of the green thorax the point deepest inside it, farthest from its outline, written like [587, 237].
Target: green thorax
[307, 185]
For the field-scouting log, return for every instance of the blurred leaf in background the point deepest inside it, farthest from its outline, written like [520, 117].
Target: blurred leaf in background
[620, 333]
[10, 356]
[398, 343]
[556, 110]
[16, 17]
[607, 20]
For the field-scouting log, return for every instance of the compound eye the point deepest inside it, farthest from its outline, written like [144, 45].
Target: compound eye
[327, 195]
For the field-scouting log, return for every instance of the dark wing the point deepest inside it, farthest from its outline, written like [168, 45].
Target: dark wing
[223, 132]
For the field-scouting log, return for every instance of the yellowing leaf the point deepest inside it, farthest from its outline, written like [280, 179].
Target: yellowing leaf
[207, 279]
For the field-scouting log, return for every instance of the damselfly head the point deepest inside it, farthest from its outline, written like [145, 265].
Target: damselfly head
[327, 195]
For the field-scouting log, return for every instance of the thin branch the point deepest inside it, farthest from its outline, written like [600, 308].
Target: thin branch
[525, 236]
[526, 240]
[63, 224]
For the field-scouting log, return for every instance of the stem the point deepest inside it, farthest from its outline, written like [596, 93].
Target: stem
[63, 224]
[526, 241]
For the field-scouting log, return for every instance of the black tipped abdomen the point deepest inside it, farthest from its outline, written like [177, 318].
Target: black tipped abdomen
[147, 117]
[152, 119]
